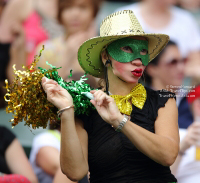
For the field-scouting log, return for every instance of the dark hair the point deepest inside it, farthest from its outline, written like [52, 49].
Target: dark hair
[147, 79]
[63, 4]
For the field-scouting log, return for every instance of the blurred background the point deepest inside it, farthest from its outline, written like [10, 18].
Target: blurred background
[63, 25]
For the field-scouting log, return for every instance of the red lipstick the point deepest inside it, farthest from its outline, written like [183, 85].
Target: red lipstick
[137, 72]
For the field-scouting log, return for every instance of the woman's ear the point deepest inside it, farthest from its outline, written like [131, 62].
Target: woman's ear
[104, 56]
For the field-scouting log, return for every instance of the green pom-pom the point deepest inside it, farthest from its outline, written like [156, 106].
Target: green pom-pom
[75, 88]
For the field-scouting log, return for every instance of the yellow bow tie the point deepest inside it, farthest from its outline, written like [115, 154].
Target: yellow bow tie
[137, 96]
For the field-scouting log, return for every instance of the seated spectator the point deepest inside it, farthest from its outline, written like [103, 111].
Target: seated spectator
[166, 71]
[45, 155]
[45, 152]
[77, 17]
[13, 159]
[187, 167]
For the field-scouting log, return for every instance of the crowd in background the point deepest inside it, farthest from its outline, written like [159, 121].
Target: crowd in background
[62, 26]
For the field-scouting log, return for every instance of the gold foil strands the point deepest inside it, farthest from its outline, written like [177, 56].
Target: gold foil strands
[26, 98]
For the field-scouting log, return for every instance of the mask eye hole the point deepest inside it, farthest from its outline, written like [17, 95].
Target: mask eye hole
[143, 52]
[127, 49]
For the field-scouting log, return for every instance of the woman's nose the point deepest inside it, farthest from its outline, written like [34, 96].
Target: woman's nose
[137, 62]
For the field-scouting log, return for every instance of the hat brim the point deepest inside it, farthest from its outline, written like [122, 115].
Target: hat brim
[89, 53]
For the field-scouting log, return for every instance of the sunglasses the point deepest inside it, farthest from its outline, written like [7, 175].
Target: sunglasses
[175, 62]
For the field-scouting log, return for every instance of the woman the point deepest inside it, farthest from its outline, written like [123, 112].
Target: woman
[166, 71]
[77, 18]
[148, 142]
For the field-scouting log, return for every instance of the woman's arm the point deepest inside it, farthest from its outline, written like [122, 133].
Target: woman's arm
[74, 147]
[15, 12]
[74, 138]
[18, 162]
[163, 146]
[60, 177]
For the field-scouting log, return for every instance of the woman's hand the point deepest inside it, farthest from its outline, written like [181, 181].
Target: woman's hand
[192, 137]
[106, 107]
[57, 95]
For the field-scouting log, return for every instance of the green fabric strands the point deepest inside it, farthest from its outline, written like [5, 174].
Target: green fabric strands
[137, 47]
[82, 103]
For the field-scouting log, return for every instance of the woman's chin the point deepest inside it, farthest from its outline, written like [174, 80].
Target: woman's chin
[131, 80]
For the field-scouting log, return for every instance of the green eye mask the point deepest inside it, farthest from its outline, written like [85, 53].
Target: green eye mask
[138, 49]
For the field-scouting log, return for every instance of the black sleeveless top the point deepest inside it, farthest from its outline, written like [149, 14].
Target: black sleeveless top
[113, 158]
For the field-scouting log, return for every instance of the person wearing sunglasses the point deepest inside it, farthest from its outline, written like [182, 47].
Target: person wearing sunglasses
[166, 71]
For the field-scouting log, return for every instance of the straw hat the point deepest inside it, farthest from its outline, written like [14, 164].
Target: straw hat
[118, 25]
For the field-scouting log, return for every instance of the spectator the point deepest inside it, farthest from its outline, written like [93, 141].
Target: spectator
[161, 16]
[37, 17]
[77, 17]
[13, 160]
[166, 71]
[44, 155]
[187, 167]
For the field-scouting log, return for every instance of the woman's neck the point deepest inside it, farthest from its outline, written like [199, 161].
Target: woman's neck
[118, 86]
